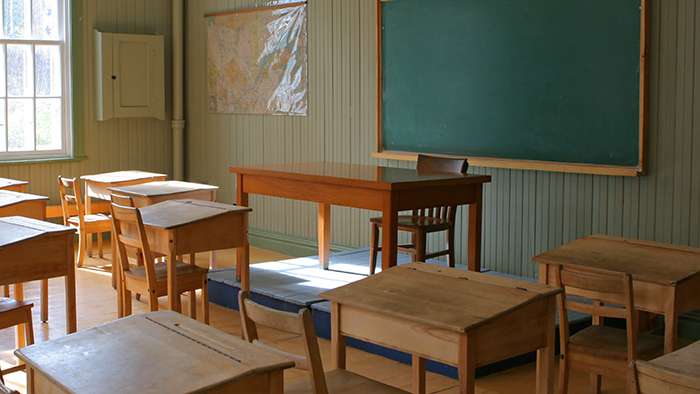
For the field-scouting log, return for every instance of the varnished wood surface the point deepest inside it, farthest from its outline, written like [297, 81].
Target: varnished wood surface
[649, 261]
[22, 204]
[358, 175]
[13, 185]
[686, 359]
[144, 354]
[119, 177]
[453, 299]
[161, 188]
[14, 229]
[174, 213]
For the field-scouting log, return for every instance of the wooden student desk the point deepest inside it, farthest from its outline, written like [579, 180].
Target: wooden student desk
[181, 227]
[458, 317]
[13, 185]
[665, 278]
[98, 185]
[32, 249]
[384, 189]
[156, 352]
[686, 360]
[155, 192]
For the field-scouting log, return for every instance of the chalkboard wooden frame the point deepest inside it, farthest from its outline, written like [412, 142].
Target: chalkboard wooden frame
[638, 170]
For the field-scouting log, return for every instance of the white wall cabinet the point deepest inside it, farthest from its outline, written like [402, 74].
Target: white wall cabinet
[130, 76]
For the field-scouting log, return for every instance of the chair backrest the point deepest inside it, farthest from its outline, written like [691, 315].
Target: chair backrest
[649, 378]
[444, 165]
[129, 231]
[300, 323]
[600, 287]
[125, 201]
[71, 200]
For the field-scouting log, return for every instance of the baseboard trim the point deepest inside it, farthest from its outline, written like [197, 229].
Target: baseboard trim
[289, 244]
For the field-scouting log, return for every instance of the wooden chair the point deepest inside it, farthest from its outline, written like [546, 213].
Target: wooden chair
[4, 389]
[13, 313]
[421, 222]
[335, 382]
[151, 277]
[74, 214]
[649, 378]
[599, 349]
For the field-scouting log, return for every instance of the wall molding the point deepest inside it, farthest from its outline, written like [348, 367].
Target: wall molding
[289, 244]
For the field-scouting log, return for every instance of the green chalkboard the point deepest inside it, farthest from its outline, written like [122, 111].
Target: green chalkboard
[544, 80]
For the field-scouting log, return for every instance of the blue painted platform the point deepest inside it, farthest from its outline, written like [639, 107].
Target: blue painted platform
[293, 284]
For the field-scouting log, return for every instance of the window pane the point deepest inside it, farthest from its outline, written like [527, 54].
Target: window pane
[48, 124]
[20, 76]
[20, 124]
[2, 73]
[16, 18]
[45, 20]
[3, 129]
[48, 70]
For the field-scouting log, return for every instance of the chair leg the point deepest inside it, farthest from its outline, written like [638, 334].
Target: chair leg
[99, 245]
[451, 247]
[44, 300]
[193, 304]
[81, 248]
[126, 300]
[153, 301]
[595, 384]
[205, 299]
[563, 376]
[374, 248]
[88, 239]
[7, 291]
[29, 328]
[414, 255]
[420, 241]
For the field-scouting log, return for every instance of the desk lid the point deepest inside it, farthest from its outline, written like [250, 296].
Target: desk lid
[5, 182]
[121, 176]
[174, 213]
[8, 197]
[157, 352]
[161, 188]
[14, 229]
[648, 261]
[451, 298]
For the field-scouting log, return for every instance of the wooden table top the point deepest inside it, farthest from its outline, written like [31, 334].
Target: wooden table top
[121, 176]
[686, 359]
[361, 175]
[8, 198]
[450, 298]
[15, 229]
[156, 352]
[6, 182]
[648, 261]
[161, 188]
[174, 213]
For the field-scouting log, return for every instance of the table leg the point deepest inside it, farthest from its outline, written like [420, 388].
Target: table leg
[545, 356]
[173, 295]
[324, 235]
[390, 218]
[337, 339]
[71, 314]
[474, 236]
[243, 252]
[44, 300]
[418, 366]
[20, 338]
[671, 322]
[467, 362]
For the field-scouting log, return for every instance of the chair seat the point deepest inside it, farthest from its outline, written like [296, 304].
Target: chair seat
[341, 381]
[161, 269]
[410, 223]
[90, 219]
[11, 311]
[610, 342]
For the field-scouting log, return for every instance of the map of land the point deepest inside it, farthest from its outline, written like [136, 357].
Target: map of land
[256, 61]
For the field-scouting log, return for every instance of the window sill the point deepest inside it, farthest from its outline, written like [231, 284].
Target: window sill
[43, 161]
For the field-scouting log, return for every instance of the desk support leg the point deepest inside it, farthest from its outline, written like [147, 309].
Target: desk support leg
[670, 321]
[337, 339]
[418, 366]
[324, 235]
[545, 355]
[173, 294]
[390, 218]
[20, 338]
[44, 300]
[243, 252]
[467, 362]
[71, 314]
[474, 236]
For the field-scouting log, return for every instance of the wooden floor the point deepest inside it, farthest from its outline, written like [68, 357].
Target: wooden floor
[97, 304]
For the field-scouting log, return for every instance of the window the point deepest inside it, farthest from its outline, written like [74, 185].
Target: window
[34, 80]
